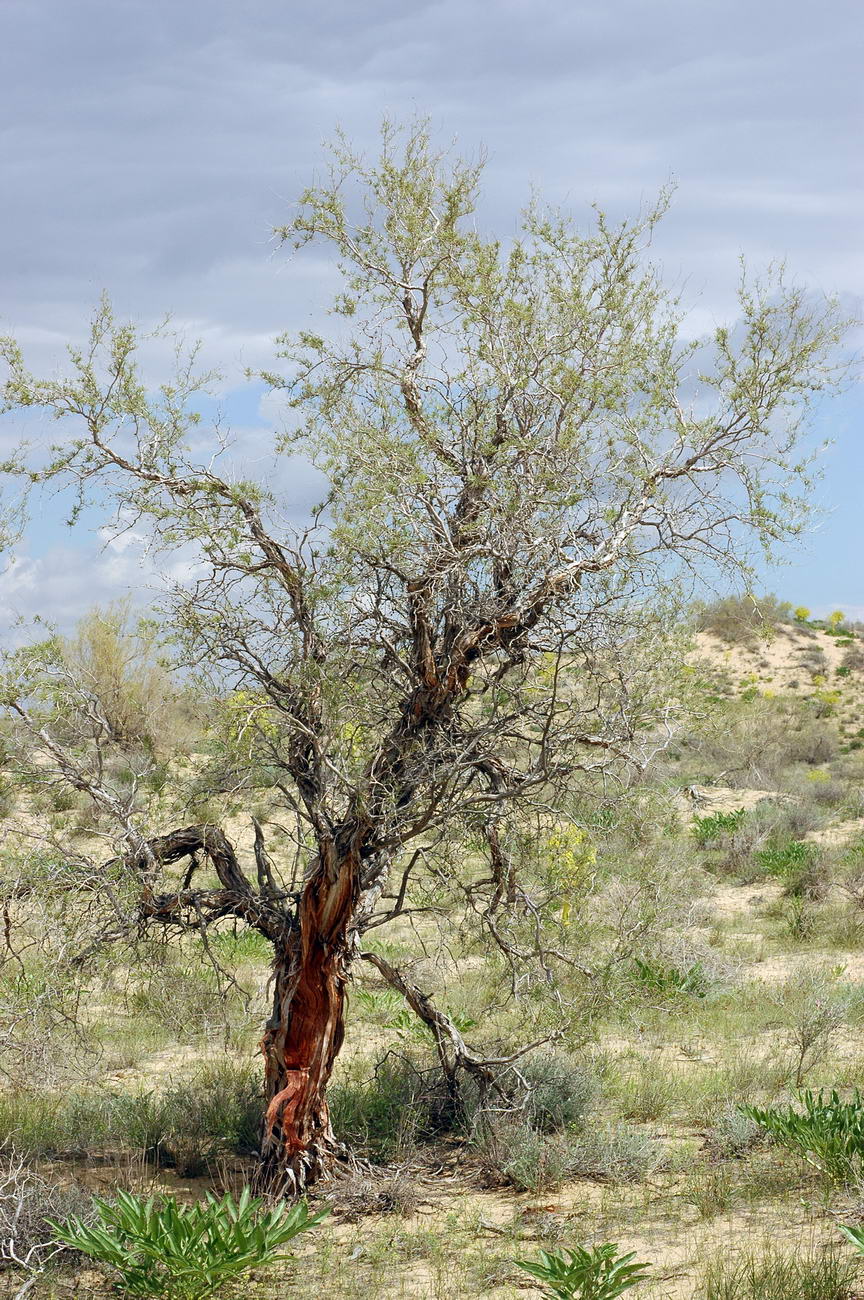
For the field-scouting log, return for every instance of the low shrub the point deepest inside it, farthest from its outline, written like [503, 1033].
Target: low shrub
[406, 1101]
[184, 1252]
[586, 1272]
[742, 620]
[532, 1161]
[828, 1133]
[28, 1206]
[715, 827]
[671, 980]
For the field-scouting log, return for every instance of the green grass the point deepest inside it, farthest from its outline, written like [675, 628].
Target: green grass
[771, 1274]
[186, 1125]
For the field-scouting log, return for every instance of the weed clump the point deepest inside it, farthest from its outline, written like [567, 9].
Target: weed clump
[827, 1133]
[768, 1274]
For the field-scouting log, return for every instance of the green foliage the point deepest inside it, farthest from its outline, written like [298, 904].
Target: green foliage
[785, 859]
[118, 664]
[828, 1133]
[855, 1235]
[586, 1273]
[184, 1252]
[742, 620]
[769, 1274]
[708, 829]
[667, 980]
[216, 1111]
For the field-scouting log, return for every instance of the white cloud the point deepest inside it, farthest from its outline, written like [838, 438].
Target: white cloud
[150, 147]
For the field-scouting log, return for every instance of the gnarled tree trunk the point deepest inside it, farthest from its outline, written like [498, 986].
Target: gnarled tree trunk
[304, 1035]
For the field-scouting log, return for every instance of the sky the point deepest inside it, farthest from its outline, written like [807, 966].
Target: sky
[148, 148]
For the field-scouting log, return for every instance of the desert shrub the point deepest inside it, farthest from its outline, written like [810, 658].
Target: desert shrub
[742, 620]
[585, 1273]
[813, 660]
[28, 1206]
[561, 1091]
[827, 1132]
[769, 1274]
[787, 859]
[614, 1153]
[814, 1005]
[185, 1252]
[532, 1161]
[753, 742]
[831, 793]
[670, 981]
[807, 880]
[117, 661]
[407, 1101]
[813, 742]
[853, 657]
[715, 828]
[527, 1160]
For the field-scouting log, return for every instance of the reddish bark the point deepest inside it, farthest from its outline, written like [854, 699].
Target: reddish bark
[304, 1035]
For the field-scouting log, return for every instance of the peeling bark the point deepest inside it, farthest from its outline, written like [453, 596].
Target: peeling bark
[306, 1030]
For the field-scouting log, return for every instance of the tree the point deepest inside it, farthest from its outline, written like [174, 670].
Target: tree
[118, 664]
[522, 458]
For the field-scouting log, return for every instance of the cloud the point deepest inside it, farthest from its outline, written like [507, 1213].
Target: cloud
[150, 147]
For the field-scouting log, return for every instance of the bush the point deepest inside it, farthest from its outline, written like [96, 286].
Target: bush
[669, 981]
[28, 1206]
[828, 1133]
[770, 1275]
[717, 826]
[742, 620]
[785, 859]
[532, 1161]
[853, 658]
[585, 1273]
[184, 1252]
[813, 742]
[527, 1160]
[407, 1101]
